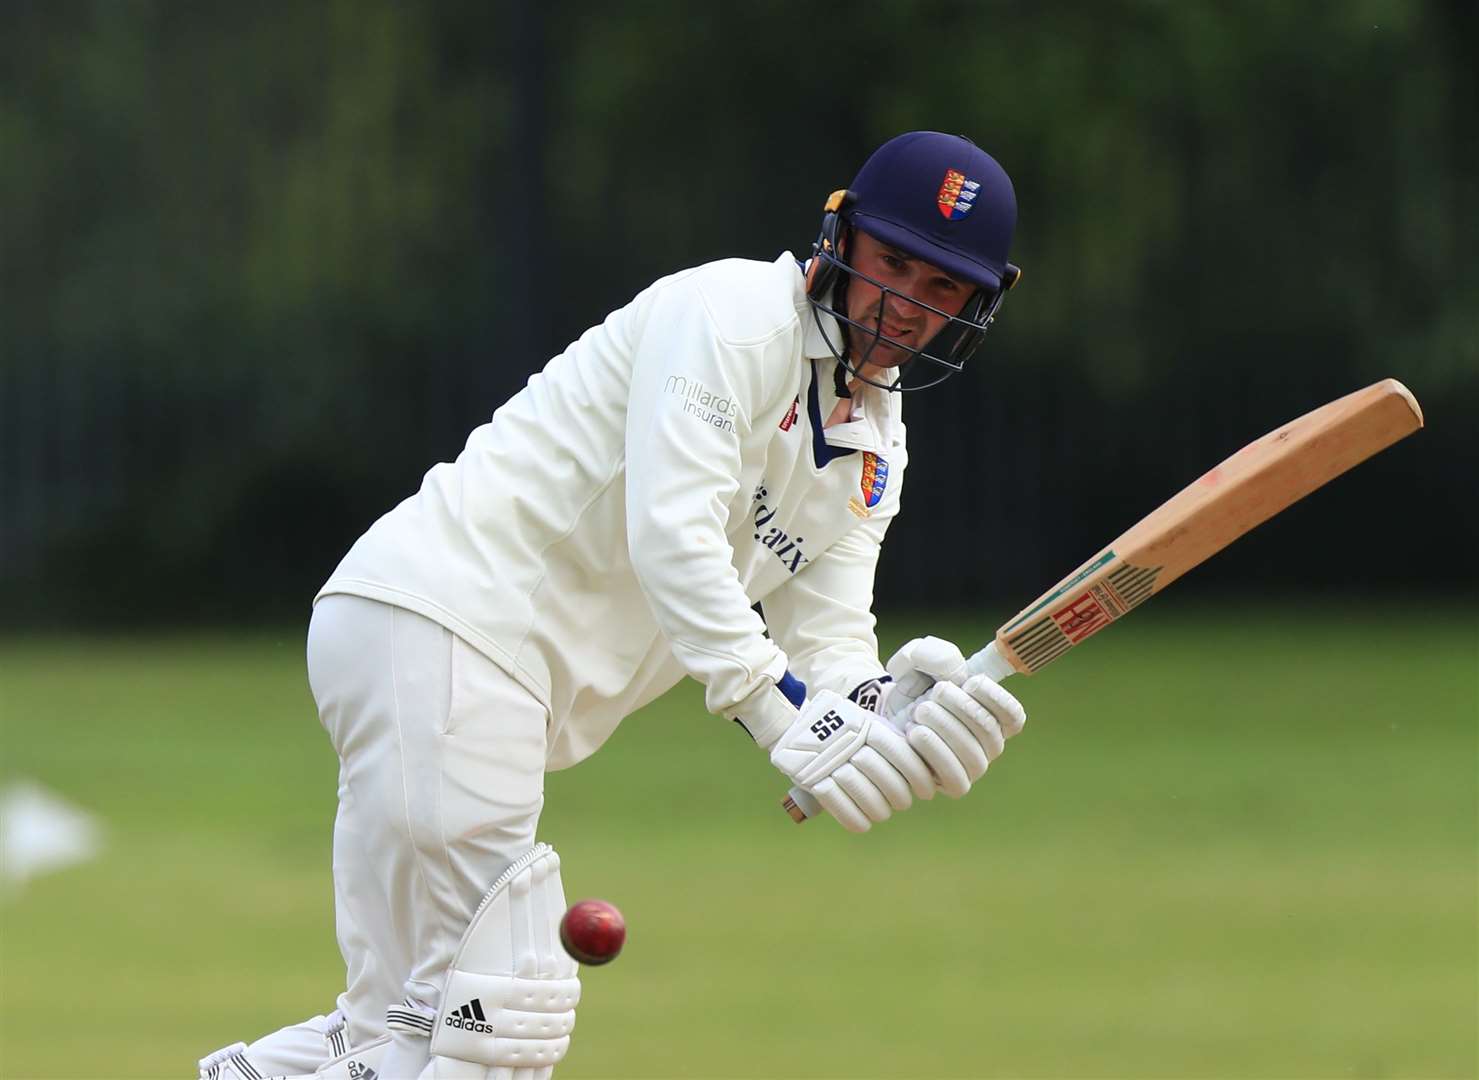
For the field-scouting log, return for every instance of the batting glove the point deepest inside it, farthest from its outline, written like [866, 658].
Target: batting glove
[856, 764]
[958, 729]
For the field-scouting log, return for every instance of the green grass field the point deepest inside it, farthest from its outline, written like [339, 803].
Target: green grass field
[1228, 844]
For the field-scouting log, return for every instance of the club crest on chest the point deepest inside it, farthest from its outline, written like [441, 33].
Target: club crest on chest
[873, 482]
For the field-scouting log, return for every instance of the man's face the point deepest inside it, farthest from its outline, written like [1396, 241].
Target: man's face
[903, 322]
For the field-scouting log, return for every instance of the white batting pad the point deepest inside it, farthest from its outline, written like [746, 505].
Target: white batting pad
[511, 994]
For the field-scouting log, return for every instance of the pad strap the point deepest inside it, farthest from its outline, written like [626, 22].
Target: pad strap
[411, 1017]
[215, 1066]
[336, 1033]
[350, 1063]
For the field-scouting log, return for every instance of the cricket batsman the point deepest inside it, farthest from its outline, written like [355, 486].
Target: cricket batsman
[699, 486]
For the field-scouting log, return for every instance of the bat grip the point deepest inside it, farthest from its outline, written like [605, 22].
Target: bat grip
[990, 661]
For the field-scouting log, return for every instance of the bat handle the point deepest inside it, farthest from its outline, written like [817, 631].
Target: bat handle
[800, 805]
[990, 661]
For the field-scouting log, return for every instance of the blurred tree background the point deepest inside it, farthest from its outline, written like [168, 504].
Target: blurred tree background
[261, 265]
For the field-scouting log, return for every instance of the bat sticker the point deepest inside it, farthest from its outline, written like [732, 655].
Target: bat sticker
[1081, 617]
[1088, 570]
[1041, 643]
[1134, 584]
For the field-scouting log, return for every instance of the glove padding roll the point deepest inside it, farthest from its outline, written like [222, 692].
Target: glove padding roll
[960, 730]
[852, 761]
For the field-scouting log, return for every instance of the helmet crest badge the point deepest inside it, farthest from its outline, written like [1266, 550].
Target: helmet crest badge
[957, 195]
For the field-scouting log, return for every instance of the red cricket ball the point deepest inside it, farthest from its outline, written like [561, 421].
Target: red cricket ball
[593, 931]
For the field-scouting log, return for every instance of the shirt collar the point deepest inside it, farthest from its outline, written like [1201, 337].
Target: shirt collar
[875, 411]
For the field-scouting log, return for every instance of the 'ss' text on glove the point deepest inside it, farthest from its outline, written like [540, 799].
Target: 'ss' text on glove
[856, 764]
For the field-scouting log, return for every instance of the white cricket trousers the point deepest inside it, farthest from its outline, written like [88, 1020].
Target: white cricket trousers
[441, 780]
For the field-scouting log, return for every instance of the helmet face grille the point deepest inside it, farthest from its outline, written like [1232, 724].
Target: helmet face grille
[940, 199]
[931, 363]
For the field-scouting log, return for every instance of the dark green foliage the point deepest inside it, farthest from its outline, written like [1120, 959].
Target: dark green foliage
[261, 265]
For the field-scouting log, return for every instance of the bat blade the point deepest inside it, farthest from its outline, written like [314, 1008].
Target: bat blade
[1266, 476]
[1263, 478]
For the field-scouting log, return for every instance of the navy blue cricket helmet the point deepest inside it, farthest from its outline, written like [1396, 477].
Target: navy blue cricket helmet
[936, 197]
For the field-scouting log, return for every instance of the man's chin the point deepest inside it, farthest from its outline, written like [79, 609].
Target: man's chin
[882, 354]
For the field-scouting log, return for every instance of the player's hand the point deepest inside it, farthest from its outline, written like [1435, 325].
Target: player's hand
[917, 666]
[960, 730]
[856, 764]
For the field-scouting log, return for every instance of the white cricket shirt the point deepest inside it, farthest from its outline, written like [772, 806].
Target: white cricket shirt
[613, 525]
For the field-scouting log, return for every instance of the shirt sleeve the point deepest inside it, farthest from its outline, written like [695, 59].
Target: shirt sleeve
[693, 398]
[823, 617]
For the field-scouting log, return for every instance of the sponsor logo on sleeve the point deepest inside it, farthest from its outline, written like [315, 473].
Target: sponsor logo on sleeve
[957, 195]
[699, 402]
[790, 417]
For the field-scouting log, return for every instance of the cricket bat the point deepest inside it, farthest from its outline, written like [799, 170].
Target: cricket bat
[1266, 476]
